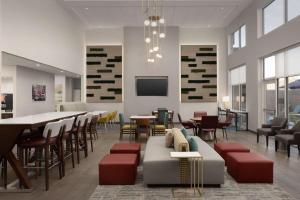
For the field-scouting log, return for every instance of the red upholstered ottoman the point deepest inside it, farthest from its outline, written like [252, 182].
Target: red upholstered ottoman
[127, 148]
[118, 169]
[223, 148]
[250, 168]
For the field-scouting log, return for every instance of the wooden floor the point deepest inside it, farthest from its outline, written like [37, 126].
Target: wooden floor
[79, 183]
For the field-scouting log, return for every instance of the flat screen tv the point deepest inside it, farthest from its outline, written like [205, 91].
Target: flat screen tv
[152, 86]
[7, 102]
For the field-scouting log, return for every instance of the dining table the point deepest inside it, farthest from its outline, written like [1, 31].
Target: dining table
[12, 128]
[140, 117]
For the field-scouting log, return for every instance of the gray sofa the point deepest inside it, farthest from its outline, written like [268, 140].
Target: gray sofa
[160, 169]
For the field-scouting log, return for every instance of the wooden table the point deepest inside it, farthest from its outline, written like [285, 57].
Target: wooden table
[10, 129]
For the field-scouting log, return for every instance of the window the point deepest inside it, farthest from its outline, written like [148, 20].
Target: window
[294, 99]
[282, 85]
[273, 15]
[293, 9]
[278, 12]
[239, 38]
[269, 67]
[238, 88]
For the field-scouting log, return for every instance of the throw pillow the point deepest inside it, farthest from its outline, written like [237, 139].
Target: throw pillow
[184, 132]
[192, 144]
[180, 142]
[169, 142]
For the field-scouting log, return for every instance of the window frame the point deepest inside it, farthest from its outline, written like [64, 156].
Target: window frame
[239, 39]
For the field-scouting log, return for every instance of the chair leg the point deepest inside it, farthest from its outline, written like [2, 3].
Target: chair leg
[47, 167]
[267, 140]
[225, 130]
[91, 137]
[72, 150]
[77, 148]
[299, 148]
[257, 137]
[276, 145]
[63, 163]
[288, 150]
[215, 136]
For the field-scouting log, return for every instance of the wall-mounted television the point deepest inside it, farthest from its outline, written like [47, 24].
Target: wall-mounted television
[7, 102]
[151, 85]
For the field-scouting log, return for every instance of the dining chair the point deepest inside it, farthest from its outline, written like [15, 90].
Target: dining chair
[67, 151]
[200, 113]
[103, 121]
[161, 127]
[161, 116]
[170, 118]
[79, 133]
[143, 125]
[126, 128]
[209, 126]
[187, 124]
[47, 143]
[3, 167]
[225, 124]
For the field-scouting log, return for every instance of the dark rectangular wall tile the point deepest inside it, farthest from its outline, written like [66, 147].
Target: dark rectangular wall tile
[209, 62]
[93, 76]
[96, 55]
[93, 63]
[96, 49]
[184, 76]
[104, 71]
[187, 90]
[118, 76]
[206, 54]
[115, 90]
[92, 87]
[209, 86]
[110, 65]
[213, 94]
[206, 49]
[195, 97]
[105, 81]
[198, 70]
[199, 81]
[107, 98]
[89, 95]
[192, 65]
[209, 75]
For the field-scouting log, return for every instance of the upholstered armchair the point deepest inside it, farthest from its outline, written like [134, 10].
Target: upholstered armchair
[267, 130]
[289, 137]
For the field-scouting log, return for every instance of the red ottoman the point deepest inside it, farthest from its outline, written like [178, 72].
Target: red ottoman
[250, 168]
[223, 148]
[127, 148]
[118, 169]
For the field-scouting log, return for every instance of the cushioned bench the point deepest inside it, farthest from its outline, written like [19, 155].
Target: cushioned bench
[223, 148]
[250, 167]
[118, 169]
[127, 148]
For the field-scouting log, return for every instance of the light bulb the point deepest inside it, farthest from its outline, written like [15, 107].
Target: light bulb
[154, 32]
[151, 51]
[146, 22]
[155, 48]
[162, 35]
[154, 24]
[149, 60]
[152, 60]
[158, 55]
[162, 20]
[147, 40]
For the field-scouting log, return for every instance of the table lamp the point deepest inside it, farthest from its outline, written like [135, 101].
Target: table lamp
[225, 101]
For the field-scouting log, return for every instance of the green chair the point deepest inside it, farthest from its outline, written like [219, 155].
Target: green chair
[125, 128]
[161, 128]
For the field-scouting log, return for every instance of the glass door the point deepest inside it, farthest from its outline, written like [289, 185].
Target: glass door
[269, 101]
[293, 100]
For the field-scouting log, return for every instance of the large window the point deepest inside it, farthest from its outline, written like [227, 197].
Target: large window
[279, 12]
[238, 38]
[238, 88]
[282, 85]
[293, 9]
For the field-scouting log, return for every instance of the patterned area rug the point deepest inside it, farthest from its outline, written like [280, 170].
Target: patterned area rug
[231, 190]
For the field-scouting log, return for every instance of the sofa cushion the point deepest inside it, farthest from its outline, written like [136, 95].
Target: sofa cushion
[192, 144]
[169, 139]
[180, 142]
[184, 132]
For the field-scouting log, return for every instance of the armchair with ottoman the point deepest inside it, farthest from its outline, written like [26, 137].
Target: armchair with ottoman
[278, 123]
[288, 137]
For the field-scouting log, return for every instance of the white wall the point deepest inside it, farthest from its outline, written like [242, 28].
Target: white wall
[69, 89]
[135, 64]
[258, 47]
[42, 31]
[108, 36]
[61, 80]
[202, 36]
[25, 78]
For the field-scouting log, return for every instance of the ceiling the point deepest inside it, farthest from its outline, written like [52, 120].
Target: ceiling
[182, 13]
[12, 60]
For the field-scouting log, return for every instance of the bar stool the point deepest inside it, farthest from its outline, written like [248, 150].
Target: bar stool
[79, 133]
[89, 117]
[49, 142]
[66, 137]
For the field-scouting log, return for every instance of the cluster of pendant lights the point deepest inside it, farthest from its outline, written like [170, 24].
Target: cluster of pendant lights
[154, 28]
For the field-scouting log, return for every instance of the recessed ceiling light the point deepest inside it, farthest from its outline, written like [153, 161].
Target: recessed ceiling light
[38, 64]
[222, 8]
[86, 8]
[61, 71]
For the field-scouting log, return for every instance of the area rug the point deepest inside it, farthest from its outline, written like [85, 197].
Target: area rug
[231, 190]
